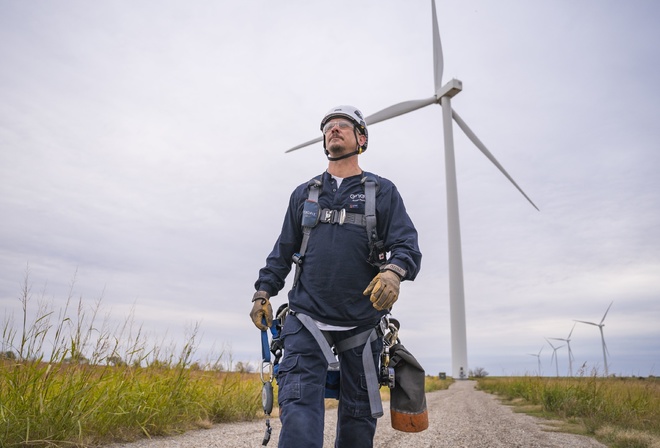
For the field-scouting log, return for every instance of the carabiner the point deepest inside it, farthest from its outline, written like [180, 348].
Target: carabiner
[266, 370]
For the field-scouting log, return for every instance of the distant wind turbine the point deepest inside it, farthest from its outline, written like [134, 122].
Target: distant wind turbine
[554, 355]
[570, 352]
[538, 356]
[602, 337]
[442, 96]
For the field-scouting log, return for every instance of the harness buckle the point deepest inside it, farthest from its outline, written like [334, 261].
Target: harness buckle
[333, 216]
[342, 216]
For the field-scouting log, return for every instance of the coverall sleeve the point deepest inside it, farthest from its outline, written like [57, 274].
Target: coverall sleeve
[278, 263]
[398, 231]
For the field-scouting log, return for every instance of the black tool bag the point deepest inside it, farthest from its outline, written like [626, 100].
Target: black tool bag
[407, 398]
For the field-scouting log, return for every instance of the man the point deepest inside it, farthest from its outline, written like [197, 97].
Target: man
[345, 282]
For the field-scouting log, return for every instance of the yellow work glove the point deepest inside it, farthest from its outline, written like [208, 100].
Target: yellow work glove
[261, 310]
[383, 290]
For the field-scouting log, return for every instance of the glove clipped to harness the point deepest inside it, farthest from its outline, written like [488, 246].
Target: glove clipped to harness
[384, 288]
[261, 309]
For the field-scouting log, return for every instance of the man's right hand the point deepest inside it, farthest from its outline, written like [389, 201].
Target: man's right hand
[261, 310]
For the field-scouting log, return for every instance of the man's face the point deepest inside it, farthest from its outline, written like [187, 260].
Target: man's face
[340, 136]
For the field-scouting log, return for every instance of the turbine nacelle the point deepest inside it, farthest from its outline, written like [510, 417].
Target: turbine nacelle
[451, 89]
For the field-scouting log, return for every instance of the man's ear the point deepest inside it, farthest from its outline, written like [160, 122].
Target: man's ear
[361, 139]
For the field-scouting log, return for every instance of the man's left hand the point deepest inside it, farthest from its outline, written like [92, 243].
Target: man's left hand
[384, 290]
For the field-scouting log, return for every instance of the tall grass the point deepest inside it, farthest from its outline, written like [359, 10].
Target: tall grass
[624, 412]
[433, 383]
[69, 379]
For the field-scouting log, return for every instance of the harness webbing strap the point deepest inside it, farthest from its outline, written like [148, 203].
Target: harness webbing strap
[366, 338]
[370, 209]
[314, 188]
[361, 339]
[311, 326]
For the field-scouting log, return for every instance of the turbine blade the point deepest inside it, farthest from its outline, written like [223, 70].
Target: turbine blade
[472, 136]
[311, 142]
[585, 322]
[438, 63]
[606, 311]
[399, 109]
[385, 114]
[569, 334]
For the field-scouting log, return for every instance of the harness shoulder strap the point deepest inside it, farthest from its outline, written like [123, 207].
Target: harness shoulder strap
[377, 255]
[314, 188]
[370, 184]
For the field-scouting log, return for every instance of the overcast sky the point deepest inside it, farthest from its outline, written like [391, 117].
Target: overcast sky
[142, 152]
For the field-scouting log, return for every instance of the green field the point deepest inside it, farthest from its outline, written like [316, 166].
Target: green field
[68, 379]
[619, 412]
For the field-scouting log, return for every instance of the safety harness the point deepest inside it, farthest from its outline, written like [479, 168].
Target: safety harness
[314, 215]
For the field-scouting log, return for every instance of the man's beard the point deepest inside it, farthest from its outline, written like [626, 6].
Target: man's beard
[337, 148]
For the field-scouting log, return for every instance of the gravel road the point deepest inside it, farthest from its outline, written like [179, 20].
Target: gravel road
[460, 417]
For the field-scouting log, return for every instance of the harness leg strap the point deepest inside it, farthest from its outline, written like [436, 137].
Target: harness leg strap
[308, 322]
[366, 338]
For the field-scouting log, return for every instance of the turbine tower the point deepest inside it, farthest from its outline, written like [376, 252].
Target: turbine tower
[554, 355]
[442, 96]
[570, 352]
[538, 358]
[602, 337]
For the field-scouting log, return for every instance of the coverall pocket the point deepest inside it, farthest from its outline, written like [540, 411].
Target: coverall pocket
[288, 383]
[292, 325]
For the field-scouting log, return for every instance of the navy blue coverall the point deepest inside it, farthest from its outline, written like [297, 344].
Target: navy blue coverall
[335, 272]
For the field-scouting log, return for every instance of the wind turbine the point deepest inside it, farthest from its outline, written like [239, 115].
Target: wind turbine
[570, 353]
[538, 356]
[442, 96]
[554, 355]
[602, 337]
